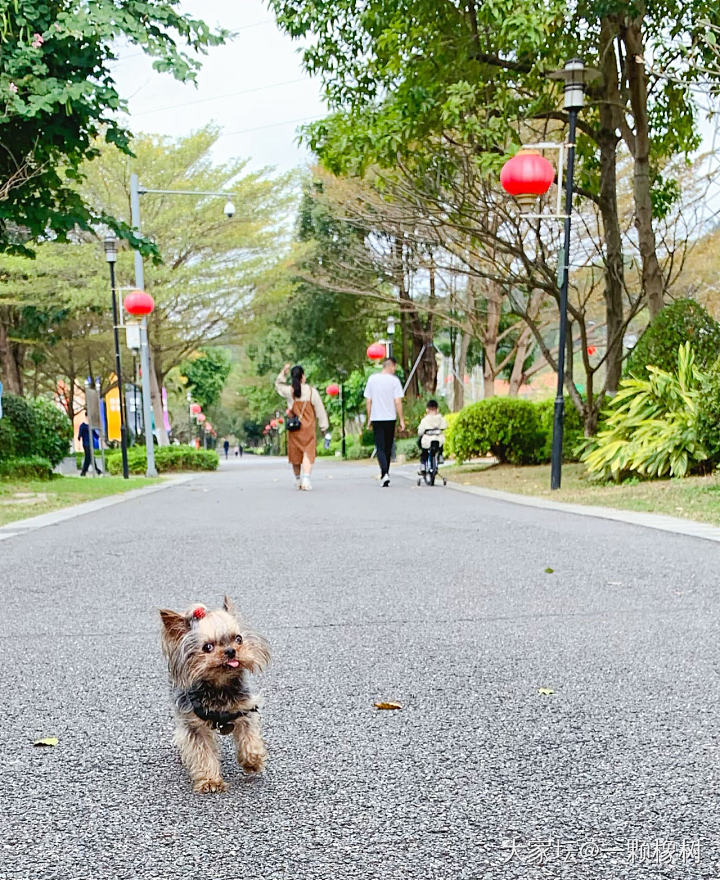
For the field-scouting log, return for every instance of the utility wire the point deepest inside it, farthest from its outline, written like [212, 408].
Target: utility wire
[272, 125]
[287, 82]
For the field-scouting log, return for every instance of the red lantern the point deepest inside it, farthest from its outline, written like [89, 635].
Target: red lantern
[376, 351]
[273, 423]
[591, 349]
[526, 176]
[280, 421]
[195, 408]
[139, 303]
[332, 390]
[201, 418]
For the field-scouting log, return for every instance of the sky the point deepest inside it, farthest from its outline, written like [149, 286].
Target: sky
[254, 88]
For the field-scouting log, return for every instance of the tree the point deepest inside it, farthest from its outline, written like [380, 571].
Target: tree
[58, 96]
[448, 89]
[206, 372]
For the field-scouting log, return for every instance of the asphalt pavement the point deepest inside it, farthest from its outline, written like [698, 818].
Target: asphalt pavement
[558, 677]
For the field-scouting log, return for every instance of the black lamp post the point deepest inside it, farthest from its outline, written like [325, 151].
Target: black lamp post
[574, 75]
[110, 244]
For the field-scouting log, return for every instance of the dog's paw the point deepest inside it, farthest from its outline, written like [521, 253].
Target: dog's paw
[254, 762]
[209, 786]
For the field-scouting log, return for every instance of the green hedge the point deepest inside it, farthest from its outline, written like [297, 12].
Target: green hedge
[573, 430]
[33, 467]
[680, 322]
[507, 427]
[167, 459]
[31, 428]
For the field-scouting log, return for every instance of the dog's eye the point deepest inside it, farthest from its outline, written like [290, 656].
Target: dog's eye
[238, 639]
[207, 647]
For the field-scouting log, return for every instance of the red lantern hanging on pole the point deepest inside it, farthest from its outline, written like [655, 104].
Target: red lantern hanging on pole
[526, 176]
[332, 390]
[376, 351]
[139, 303]
[195, 409]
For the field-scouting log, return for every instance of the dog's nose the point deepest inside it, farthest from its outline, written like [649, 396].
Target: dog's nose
[230, 652]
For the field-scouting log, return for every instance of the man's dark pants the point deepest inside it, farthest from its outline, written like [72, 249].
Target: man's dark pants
[384, 435]
[87, 461]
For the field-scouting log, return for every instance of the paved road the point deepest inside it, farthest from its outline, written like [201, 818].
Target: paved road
[438, 599]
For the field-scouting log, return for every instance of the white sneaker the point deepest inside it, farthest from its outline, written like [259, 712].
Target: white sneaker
[385, 481]
[305, 483]
[298, 484]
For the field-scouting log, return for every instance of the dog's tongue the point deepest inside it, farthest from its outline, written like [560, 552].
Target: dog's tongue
[233, 663]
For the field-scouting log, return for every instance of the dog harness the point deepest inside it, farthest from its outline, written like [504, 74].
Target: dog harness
[223, 722]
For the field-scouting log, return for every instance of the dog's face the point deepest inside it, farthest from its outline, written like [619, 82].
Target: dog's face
[213, 646]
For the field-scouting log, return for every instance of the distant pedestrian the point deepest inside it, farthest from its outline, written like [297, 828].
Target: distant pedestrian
[383, 401]
[236, 450]
[84, 438]
[226, 447]
[304, 403]
[239, 449]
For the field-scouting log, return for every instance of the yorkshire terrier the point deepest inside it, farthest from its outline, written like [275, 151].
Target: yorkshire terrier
[210, 655]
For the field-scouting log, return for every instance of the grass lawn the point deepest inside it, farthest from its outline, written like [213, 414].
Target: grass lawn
[20, 499]
[695, 498]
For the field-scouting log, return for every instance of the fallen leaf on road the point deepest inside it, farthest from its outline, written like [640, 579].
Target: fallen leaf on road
[549, 570]
[388, 705]
[546, 691]
[46, 741]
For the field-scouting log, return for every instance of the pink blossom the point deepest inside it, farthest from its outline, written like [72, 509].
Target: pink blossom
[37, 41]
[12, 88]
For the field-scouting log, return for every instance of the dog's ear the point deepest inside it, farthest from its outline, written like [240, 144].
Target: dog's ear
[176, 625]
[229, 606]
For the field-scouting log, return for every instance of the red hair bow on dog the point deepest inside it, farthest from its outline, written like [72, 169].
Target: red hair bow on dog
[199, 613]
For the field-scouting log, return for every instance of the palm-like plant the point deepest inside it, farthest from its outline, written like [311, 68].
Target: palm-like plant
[651, 429]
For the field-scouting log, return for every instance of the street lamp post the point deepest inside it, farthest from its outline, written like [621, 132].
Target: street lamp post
[574, 76]
[528, 175]
[390, 335]
[110, 244]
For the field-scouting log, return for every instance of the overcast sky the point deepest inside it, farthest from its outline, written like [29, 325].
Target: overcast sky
[254, 88]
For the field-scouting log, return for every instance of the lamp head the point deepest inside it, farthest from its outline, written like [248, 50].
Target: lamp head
[110, 245]
[575, 75]
[391, 325]
[229, 210]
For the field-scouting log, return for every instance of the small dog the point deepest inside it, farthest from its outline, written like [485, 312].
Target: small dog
[210, 654]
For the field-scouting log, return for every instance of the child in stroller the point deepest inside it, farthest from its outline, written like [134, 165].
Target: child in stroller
[431, 430]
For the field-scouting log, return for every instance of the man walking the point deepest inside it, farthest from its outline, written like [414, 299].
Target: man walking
[86, 439]
[383, 400]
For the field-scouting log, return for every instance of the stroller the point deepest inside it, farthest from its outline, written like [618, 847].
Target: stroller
[433, 458]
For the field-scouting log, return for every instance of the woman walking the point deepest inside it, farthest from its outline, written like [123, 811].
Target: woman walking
[305, 405]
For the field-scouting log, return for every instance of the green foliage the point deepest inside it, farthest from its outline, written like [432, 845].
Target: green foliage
[18, 413]
[53, 431]
[682, 321]
[57, 78]
[167, 459]
[708, 423]
[32, 467]
[573, 430]
[652, 425]
[206, 372]
[507, 427]
[408, 447]
[33, 428]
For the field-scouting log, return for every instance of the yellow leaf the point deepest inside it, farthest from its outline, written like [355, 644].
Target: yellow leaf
[546, 691]
[46, 741]
[388, 705]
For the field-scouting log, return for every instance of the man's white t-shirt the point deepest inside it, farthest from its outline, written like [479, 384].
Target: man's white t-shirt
[383, 389]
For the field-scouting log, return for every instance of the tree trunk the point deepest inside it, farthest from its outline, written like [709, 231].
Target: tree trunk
[614, 269]
[10, 363]
[459, 373]
[652, 280]
[522, 350]
[490, 339]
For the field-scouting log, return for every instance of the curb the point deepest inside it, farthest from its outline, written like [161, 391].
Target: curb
[658, 521]
[22, 526]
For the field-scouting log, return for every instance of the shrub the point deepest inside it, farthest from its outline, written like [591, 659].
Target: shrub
[8, 440]
[573, 430]
[53, 431]
[407, 447]
[680, 322]
[708, 422]
[32, 467]
[652, 425]
[167, 459]
[19, 414]
[505, 426]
